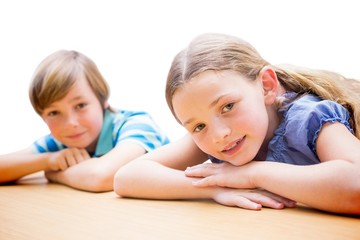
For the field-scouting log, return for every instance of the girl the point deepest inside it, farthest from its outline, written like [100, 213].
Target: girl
[292, 132]
[89, 140]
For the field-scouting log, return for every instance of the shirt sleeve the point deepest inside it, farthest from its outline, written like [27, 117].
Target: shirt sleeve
[47, 144]
[139, 127]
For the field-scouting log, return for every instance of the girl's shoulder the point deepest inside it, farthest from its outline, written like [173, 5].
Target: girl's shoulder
[306, 115]
[302, 119]
[309, 107]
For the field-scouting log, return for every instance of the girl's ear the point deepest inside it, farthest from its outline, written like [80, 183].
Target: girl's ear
[270, 84]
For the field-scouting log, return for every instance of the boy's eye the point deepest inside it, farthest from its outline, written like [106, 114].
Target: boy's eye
[52, 113]
[80, 105]
[199, 127]
[228, 107]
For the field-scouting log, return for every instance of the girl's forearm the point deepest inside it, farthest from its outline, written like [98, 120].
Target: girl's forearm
[331, 186]
[149, 179]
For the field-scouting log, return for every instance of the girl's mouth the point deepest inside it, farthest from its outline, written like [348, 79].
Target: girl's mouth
[234, 147]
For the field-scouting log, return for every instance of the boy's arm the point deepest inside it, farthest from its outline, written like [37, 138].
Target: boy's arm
[21, 163]
[97, 174]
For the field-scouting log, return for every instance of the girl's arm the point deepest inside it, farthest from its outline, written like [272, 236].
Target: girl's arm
[160, 175]
[97, 174]
[19, 164]
[333, 185]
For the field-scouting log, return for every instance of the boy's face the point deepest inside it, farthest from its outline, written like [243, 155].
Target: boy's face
[76, 119]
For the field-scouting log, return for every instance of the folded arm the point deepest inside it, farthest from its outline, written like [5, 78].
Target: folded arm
[160, 175]
[21, 163]
[332, 185]
[97, 174]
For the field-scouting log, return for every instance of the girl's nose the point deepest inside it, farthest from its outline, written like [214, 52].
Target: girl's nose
[220, 131]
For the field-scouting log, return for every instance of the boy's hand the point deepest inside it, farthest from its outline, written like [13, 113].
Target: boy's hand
[66, 158]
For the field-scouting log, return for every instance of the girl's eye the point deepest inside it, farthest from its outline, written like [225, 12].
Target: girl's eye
[228, 107]
[199, 127]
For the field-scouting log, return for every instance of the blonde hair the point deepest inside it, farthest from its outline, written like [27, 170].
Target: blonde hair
[57, 73]
[223, 52]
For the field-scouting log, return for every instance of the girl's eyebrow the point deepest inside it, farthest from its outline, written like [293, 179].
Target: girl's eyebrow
[187, 122]
[211, 105]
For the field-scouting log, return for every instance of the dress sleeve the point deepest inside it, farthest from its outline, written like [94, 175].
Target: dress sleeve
[140, 128]
[307, 120]
[325, 112]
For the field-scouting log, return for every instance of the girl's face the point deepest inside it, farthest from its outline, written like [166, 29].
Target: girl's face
[225, 113]
[76, 119]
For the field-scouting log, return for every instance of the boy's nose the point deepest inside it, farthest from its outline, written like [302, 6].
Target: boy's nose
[72, 120]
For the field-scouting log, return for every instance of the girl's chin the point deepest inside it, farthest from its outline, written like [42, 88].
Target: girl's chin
[237, 162]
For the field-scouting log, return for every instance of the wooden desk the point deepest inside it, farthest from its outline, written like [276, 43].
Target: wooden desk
[34, 209]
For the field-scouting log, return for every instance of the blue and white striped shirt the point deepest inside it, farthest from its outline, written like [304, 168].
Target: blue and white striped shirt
[121, 126]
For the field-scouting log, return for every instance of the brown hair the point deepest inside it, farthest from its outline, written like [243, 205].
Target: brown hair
[57, 73]
[223, 52]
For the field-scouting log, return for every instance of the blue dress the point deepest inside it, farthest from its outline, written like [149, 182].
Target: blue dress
[295, 138]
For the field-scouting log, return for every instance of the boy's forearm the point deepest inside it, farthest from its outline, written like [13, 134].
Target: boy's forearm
[13, 166]
[89, 175]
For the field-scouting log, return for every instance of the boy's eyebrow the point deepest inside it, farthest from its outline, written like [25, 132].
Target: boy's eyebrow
[73, 99]
[211, 105]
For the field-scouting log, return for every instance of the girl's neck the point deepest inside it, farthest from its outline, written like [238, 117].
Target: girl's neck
[274, 119]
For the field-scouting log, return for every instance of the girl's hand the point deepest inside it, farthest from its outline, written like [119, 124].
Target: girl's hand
[235, 187]
[223, 175]
[252, 199]
[66, 158]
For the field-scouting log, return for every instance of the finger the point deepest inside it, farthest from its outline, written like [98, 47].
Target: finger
[202, 170]
[63, 164]
[85, 155]
[71, 157]
[287, 202]
[265, 200]
[205, 166]
[77, 156]
[269, 202]
[206, 182]
[245, 203]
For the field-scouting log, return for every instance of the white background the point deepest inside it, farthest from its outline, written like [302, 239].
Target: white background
[133, 43]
